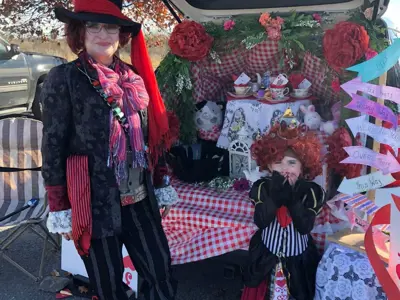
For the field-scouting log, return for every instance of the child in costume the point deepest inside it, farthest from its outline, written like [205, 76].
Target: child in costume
[283, 258]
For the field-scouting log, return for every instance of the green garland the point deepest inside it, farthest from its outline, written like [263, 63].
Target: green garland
[174, 80]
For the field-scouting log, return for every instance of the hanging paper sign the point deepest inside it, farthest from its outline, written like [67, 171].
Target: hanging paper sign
[387, 163]
[379, 91]
[379, 64]
[362, 203]
[380, 134]
[365, 183]
[372, 108]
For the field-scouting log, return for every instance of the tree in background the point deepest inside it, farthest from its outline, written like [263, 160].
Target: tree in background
[35, 18]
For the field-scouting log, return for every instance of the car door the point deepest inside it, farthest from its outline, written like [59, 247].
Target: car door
[14, 78]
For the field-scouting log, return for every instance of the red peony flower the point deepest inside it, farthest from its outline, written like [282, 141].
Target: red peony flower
[345, 44]
[190, 40]
[339, 139]
[335, 85]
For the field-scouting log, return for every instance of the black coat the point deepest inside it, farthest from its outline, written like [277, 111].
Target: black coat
[76, 121]
[303, 208]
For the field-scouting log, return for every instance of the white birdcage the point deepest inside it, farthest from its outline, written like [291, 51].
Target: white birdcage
[239, 155]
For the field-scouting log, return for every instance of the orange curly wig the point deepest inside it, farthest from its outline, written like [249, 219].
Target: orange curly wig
[272, 147]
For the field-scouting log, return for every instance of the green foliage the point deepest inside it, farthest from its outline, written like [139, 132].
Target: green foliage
[376, 32]
[174, 80]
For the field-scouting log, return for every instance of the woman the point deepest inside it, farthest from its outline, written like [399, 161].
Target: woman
[105, 127]
[283, 257]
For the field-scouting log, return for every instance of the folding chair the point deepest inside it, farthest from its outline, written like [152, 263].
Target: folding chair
[20, 182]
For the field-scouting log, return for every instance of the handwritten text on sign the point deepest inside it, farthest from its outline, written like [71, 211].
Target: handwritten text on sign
[379, 64]
[380, 134]
[364, 156]
[365, 183]
[379, 91]
[372, 108]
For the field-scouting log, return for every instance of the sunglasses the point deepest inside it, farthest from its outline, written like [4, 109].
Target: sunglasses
[96, 27]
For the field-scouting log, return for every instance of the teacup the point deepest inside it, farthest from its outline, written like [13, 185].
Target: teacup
[279, 93]
[300, 92]
[242, 90]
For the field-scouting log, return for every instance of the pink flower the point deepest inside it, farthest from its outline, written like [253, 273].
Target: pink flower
[264, 19]
[229, 24]
[370, 54]
[275, 23]
[280, 20]
[335, 85]
[274, 33]
[317, 17]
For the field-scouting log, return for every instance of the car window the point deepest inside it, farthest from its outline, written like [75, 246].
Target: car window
[3, 50]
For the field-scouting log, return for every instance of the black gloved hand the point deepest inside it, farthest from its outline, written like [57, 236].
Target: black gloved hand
[280, 189]
[300, 189]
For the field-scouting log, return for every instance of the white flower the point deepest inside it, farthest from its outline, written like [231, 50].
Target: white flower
[180, 83]
[214, 55]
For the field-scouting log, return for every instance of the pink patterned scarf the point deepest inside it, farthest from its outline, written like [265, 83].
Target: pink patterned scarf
[129, 91]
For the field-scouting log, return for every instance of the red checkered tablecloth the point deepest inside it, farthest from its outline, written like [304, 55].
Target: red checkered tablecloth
[208, 223]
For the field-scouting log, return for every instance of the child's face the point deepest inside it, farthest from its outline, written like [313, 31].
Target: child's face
[289, 167]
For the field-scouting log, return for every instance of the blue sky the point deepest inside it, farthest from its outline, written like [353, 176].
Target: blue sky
[393, 12]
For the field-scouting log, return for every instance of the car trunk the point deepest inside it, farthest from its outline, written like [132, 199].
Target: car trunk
[208, 10]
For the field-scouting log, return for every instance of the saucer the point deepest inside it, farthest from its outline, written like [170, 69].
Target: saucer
[301, 97]
[279, 100]
[248, 94]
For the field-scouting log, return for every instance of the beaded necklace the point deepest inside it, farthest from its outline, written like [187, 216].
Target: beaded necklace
[110, 101]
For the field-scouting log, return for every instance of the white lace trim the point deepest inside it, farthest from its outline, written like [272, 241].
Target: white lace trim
[59, 221]
[166, 196]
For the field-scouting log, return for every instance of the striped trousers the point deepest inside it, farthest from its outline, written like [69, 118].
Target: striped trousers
[147, 245]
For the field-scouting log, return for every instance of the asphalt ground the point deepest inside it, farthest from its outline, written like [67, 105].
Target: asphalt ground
[197, 281]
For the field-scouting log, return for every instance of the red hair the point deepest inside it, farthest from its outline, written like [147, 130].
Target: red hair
[271, 148]
[75, 34]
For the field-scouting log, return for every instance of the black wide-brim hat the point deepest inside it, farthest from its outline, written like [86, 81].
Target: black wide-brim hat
[100, 11]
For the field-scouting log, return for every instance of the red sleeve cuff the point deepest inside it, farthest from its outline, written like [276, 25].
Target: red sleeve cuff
[58, 198]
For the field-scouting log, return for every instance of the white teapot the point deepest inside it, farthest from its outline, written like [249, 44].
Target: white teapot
[254, 175]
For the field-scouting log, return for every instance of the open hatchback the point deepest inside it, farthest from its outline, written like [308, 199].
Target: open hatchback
[314, 40]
